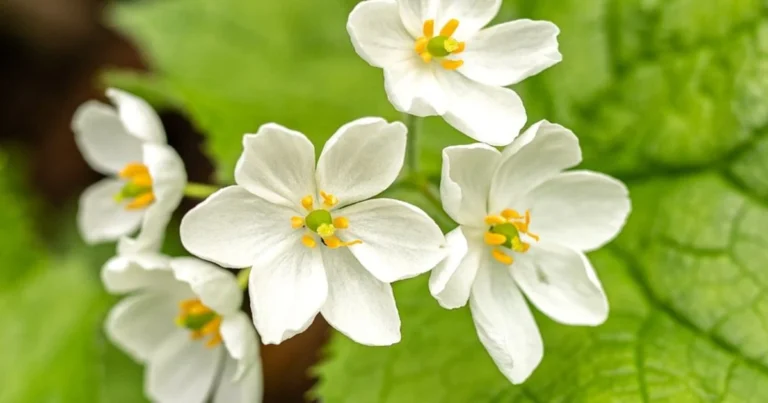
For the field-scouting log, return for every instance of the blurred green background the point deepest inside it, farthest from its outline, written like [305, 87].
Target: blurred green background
[670, 96]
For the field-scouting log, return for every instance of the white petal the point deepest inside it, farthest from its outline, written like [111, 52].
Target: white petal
[358, 305]
[580, 209]
[492, 115]
[361, 160]
[378, 34]
[249, 389]
[216, 287]
[278, 165]
[504, 322]
[241, 342]
[182, 371]
[233, 227]
[141, 323]
[138, 118]
[412, 87]
[102, 139]
[473, 15]
[466, 181]
[399, 240]
[101, 218]
[415, 12]
[561, 283]
[287, 288]
[509, 53]
[548, 149]
[123, 274]
[451, 281]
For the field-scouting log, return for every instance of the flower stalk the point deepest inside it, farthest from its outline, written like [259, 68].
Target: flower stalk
[414, 124]
[199, 190]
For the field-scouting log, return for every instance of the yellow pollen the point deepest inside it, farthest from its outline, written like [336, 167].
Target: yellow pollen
[429, 28]
[495, 239]
[326, 230]
[297, 222]
[449, 28]
[495, 220]
[134, 169]
[329, 200]
[201, 322]
[451, 64]
[340, 223]
[308, 241]
[308, 202]
[510, 214]
[421, 45]
[502, 257]
[334, 242]
[141, 201]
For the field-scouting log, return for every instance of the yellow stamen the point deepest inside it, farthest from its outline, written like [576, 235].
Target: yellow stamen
[495, 239]
[510, 214]
[214, 341]
[451, 45]
[460, 48]
[519, 246]
[449, 28]
[192, 313]
[329, 200]
[426, 56]
[340, 223]
[495, 220]
[501, 257]
[134, 169]
[429, 28]
[334, 242]
[326, 230]
[141, 201]
[451, 64]
[297, 222]
[143, 180]
[307, 202]
[421, 45]
[308, 241]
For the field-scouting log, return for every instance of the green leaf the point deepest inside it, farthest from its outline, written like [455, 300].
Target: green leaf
[670, 96]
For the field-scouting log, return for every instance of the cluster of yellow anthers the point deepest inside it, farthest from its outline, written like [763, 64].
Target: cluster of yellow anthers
[201, 321]
[138, 187]
[505, 231]
[430, 46]
[322, 223]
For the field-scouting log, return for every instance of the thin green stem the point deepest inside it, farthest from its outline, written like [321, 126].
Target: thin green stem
[413, 123]
[199, 190]
[242, 278]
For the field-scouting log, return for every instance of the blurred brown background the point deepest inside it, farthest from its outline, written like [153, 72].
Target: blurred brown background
[53, 52]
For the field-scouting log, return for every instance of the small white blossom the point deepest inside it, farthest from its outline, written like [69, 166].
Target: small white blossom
[146, 177]
[524, 226]
[179, 313]
[438, 60]
[315, 244]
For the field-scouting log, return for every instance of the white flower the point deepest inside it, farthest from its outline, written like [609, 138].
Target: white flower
[313, 243]
[146, 177]
[175, 320]
[524, 226]
[438, 60]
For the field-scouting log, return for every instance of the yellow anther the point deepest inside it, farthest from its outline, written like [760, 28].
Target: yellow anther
[201, 321]
[510, 214]
[451, 64]
[449, 28]
[329, 200]
[141, 201]
[143, 180]
[297, 222]
[429, 28]
[534, 236]
[326, 230]
[426, 56]
[134, 169]
[495, 239]
[308, 202]
[459, 48]
[340, 223]
[421, 45]
[214, 341]
[334, 242]
[308, 241]
[502, 257]
[495, 220]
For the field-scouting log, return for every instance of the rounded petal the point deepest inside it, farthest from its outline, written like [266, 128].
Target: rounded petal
[182, 371]
[248, 389]
[277, 165]
[100, 218]
[106, 146]
[242, 343]
[561, 283]
[580, 209]
[141, 323]
[412, 87]
[358, 305]
[414, 13]
[378, 34]
[451, 281]
[472, 15]
[233, 227]
[399, 240]
[504, 322]
[287, 288]
[216, 287]
[127, 273]
[466, 181]
[138, 118]
[361, 160]
[508, 53]
[489, 114]
[546, 149]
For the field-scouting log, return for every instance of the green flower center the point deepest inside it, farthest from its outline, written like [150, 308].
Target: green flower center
[508, 230]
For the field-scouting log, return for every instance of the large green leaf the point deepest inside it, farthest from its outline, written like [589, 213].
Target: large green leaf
[671, 96]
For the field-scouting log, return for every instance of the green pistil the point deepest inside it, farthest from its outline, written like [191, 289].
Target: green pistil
[508, 230]
[130, 191]
[317, 218]
[441, 46]
[197, 322]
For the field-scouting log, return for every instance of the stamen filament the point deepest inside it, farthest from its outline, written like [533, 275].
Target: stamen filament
[334, 242]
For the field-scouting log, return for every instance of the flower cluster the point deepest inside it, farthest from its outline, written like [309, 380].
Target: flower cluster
[311, 236]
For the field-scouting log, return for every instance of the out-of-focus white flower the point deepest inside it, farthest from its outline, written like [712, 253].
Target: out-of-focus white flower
[313, 240]
[178, 314]
[146, 177]
[524, 226]
[438, 60]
